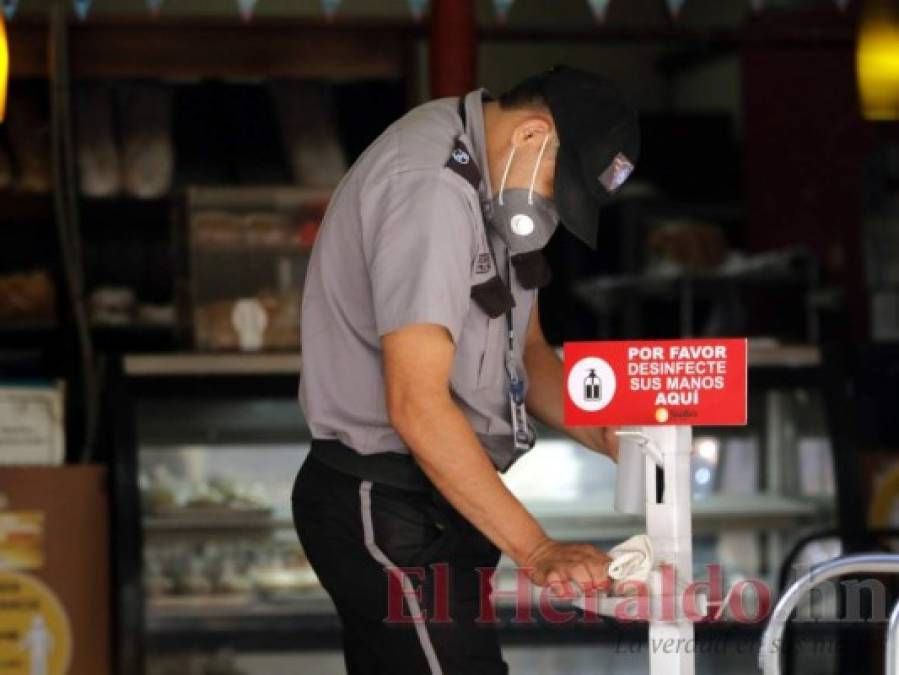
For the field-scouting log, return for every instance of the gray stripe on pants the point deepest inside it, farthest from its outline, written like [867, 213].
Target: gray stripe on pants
[408, 591]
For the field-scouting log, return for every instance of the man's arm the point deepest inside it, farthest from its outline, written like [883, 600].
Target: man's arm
[545, 392]
[417, 366]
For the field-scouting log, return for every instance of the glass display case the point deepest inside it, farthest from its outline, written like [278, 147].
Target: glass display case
[217, 440]
[754, 489]
[248, 248]
[217, 528]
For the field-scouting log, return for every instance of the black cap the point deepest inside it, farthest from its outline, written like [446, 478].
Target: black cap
[599, 144]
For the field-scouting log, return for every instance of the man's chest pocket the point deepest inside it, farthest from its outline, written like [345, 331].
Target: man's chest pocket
[479, 353]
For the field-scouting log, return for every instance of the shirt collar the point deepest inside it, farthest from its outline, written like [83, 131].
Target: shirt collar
[475, 133]
[474, 129]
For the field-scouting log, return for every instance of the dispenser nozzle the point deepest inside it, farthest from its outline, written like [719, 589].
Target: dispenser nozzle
[647, 445]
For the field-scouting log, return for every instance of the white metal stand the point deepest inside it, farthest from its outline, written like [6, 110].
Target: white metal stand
[669, 526]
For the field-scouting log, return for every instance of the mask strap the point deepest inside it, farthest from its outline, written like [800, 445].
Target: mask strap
[536, 169]
[502, 183]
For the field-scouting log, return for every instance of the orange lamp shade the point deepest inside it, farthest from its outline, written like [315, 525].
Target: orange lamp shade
[877, 60]
[4, 68]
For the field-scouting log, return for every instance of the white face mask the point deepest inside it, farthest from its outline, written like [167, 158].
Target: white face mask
[526, 222]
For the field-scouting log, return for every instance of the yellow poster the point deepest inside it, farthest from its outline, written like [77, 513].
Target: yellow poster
[35, 635]
[21, 540]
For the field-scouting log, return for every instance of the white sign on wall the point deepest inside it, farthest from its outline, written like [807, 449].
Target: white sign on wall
[32, 425]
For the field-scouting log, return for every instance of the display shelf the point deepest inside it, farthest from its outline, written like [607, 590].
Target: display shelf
[12, 328]
[18, 205]
[30, 206]
[312, 624]
[292, 632]
[784, 356]
[127, 46]
[199, 525]
[775, 268]
[161, 612]
[288, 363]
[652, 294]
[603, 292]
[245, 198]
[199, 529]
[49, 327]
[167, 613]
[137, 336]
[718, 513]
[126, 337]
[200, 364]
[593, 521]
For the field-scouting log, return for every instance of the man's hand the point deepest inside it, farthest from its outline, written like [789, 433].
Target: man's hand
[603, 440]
[556, 564]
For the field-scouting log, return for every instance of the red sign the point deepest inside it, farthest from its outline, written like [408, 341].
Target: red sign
[690, 382]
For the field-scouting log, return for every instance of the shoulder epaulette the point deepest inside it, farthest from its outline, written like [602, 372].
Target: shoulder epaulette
[461, 162]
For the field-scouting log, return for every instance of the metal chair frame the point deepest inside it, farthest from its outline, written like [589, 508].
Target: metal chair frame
[880, 563]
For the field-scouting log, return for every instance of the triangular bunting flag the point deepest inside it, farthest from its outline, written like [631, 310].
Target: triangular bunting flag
[9, 8]
[502, 7]
[82, 7]
[675, 7]
[599, 9]
[330, 7]
[154, 6]
[418, 8]
[246, 8]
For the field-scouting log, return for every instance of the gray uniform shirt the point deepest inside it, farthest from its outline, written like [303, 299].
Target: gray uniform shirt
[399, 246]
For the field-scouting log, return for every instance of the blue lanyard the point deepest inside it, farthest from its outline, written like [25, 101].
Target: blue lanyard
[516, 386]
[522, 431]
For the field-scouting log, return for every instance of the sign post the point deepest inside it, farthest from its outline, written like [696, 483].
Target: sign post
[660, 389]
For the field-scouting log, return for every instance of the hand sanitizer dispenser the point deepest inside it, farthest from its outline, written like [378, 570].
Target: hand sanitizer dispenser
[630, 485]
[630, 482]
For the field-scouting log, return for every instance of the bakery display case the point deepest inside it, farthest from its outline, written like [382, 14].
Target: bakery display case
[247, 251]
[208, 459]
[215, 520]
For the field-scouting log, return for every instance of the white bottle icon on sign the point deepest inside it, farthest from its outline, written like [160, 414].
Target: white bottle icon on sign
[592, 387]
[38, 642]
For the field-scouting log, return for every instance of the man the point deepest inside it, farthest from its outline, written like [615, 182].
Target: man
[423, 357]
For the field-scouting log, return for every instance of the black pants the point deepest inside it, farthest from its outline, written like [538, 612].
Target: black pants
[358, 534]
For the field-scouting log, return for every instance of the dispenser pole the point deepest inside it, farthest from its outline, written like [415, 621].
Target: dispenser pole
[669, 525]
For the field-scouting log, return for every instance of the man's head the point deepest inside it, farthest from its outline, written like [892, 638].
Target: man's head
[571, 136]
[520, 122]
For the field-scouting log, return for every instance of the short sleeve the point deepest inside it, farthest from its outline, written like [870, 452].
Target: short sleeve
[419, 253]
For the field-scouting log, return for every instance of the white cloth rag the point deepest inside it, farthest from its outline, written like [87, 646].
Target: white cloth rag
[632, 560]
